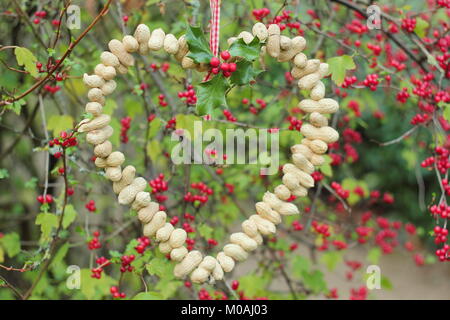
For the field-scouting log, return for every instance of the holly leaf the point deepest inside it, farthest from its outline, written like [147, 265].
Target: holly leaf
[421, 27]
[339, 66]
[27, 59]
[249, 51]
[244, 73]
[198, 46]
[211, 95]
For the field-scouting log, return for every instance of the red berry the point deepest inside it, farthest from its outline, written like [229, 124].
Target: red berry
[225, 55]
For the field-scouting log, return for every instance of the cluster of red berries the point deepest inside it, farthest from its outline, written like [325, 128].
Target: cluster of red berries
[357, 27]
[322, 229]
[441, 210]
[47, 199]
[358, 294]
[116, 294]
[420, 118]
[371, 81]
[339, 245]
[229, 116]
[52, 89]
[354, 106]
[409, 24]
[376, 49]
[90, 205]
[144, 242]
[440, 235]
[159, 186]
[126, 263]
[403, 95]
[202, 197]
[294, 123]
[226, 68]
[190, 243]
[212, 242]
[259, 14]
[171, 124]
[162, 100]
[125, 126]
[363, 233]
[101, 263]
[64, 140]
[189, 94]
[297, 225]
[349, 81]
[255, 110]
[341, 192]
[94, 243]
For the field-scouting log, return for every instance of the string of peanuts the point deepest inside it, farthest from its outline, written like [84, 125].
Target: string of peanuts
[296, 179]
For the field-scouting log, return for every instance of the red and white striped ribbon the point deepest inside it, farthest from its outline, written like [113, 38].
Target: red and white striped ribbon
[215, 26]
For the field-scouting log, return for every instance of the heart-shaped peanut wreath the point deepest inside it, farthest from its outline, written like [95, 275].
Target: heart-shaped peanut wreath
[297, 176]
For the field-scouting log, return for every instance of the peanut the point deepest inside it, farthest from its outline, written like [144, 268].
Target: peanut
[94, 108]
[326, 134]
[108, 87]
[325, 105]
[100, 135]
[318, 91]
[183, 48]
[164, 247]
[264, 226]
[305, 179]
[273, 42]
[291, 181]
[177, 254]
[199, 275]
[93, 81]
[128, 174]
[318, 120]
[106, 72]
[208, 263]
[187, 63]
[217, 272]
[259, 30]
[282, 192]
[298, 44]
[116, 158]
[122, 69]
[177, 238]
[309, 81]
[109, 59]
[317, 146]
[142, 35]
[130, 43]
[156, 41]
[324, 70]
[157, 222]
[317, 160]
[95, 123]
[231, 40]
[225, 261]
[163, 234]
[103, 150]
[146, 214]
[265, 211]
[118, 49]
[113, 173]
[302, 149]
[246, 36]
[235, 251]
[96, 95]
[243, 240]
[285, 43]
[302, 163]
[300, 60]
[142, 200]
[259, 239]
[250, 228]
[171, 45]
[127, 195]
[300, 191]
[188, 264]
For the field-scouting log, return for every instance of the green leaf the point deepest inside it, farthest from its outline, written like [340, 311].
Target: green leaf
[4, 174]
[47, 221]
[249, 51]
[421, 27]
[386, 284]
[373, 256]
[339, 66]
[446, 113]
[314, 280]
[95, 288]
[69, 216]
[205, 231]
[152, 295]
[158, 266]
[198, 46]
[168, 287]
[11, 243]
[27, 59]
[57, 123]
[331, 259]
[254, 284]
[300, 265]
[211, 95]
[16, 106]
[244, 73]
